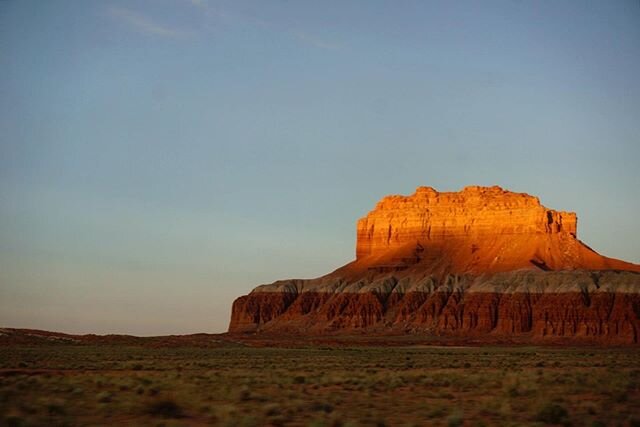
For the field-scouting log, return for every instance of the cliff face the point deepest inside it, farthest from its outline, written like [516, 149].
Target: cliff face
[483, 262]
[475, 213]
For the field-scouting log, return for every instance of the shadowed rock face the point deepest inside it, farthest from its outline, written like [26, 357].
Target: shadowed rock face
[483, 262]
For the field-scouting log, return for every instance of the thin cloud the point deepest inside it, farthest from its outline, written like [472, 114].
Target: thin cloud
[144, 24]
[214, 13]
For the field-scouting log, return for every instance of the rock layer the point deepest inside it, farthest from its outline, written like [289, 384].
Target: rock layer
[483, 262]
[475, 213]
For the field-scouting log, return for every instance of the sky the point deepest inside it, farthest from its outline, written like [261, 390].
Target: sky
[160, 158]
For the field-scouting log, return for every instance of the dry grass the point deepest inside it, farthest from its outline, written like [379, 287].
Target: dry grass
[366, 386]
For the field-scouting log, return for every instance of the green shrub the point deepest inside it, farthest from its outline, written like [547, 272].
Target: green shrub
[244, 394]
[437, 413]
[552, 413]
[56, 408]
[322, 407]
[104, 397]
[455, 419]
[165, 408]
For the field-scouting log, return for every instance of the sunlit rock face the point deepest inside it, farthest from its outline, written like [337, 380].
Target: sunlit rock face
[473, 214]
[483, 262]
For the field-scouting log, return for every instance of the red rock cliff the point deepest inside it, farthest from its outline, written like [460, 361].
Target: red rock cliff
[475, 213]
[479, 262]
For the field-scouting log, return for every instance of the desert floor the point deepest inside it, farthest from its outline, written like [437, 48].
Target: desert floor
[235, 385]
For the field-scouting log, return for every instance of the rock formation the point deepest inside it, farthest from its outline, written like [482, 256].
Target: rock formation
[482, 262]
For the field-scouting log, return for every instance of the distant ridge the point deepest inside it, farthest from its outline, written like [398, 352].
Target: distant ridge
[17, 336]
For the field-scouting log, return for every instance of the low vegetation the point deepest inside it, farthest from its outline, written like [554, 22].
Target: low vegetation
[67, 385]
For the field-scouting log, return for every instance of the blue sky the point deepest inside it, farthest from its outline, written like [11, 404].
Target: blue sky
[160, 158]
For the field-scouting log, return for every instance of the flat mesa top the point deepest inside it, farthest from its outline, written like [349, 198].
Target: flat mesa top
[470, 196]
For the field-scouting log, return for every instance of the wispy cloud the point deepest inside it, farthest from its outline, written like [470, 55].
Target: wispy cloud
[212, 16]
[144, 24]
[215, 13]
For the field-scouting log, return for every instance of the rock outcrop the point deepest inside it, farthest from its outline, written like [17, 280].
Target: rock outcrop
[474, 214]
[482, 262]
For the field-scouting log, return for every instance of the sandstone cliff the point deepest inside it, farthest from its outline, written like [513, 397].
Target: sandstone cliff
[479, 262]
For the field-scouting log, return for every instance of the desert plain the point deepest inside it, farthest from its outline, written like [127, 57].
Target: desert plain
[65, 380]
